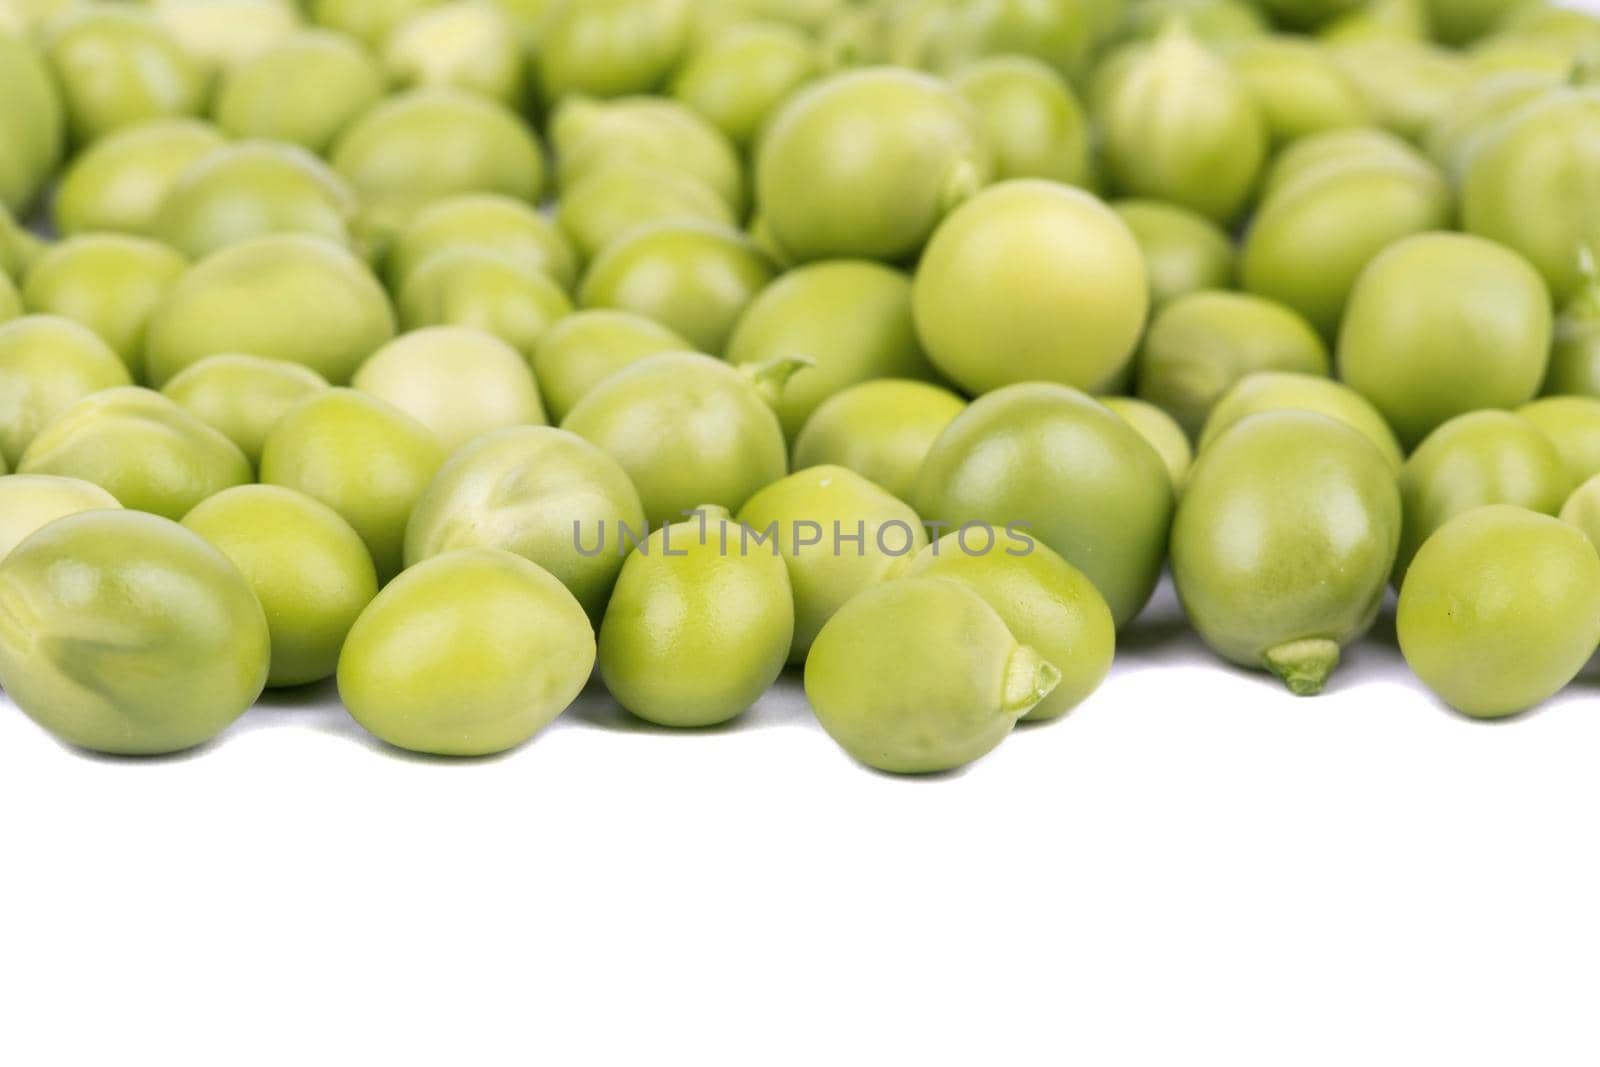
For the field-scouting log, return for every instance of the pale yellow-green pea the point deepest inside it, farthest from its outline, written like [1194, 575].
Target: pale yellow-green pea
[880, 429]
[29, 502]
[47, 364]
[119, 183]
[469, 287]
[242, 397]
[1160, 430]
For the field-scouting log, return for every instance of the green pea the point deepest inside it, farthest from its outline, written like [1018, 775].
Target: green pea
[250, 190]
[1575, 356]
[1478, 112]
[483, 290]
[689, 430]
[1283, 543]
[327, 311]
[946, 34]
[921, 675]
[1407, 85]
[851, 318]
[1526, 53]
[468, 654]
[119, 183]
[809, 15]
[47, 364]
[1378, 20]
[590, 136]
[369, 21]
[242, 397]
[118, 66]
[1218, 21]
[1034, 121]
[1044, 601]
[611, 48]
[587, 347]
[1031, 281]
[427, 144]
[1528, 181]
[484, 222]
[109, 282]
[1572, 424]
[1486, 457]
[1064, 470]
[838, 534]
[1317, 232]
[10, 299]
[1266, 391]
[31, 123]
[880, 429]
[1500, 610]
[306, 566]
[699, 626]
[141, 448]
[1184, 252]
[1297, 86]
[467, 44]
[1179, 125]
[1582, 509]
[1306, 14]
[19, 247]
[1334, 151]
[695, 279]
[361, 456]
[608, 203]
[30, 502]
[1160, 431]
[222, 34]
[125, 633]
[738, 77]
[1403, 345]
[546, 495]
[1460, 21]
[865, 164]
[1200, 345]
[456, 381]
[305, 90]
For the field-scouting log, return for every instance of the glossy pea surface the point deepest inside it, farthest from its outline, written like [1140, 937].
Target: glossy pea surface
[29, 502]
[880, 429]
[1184, 252]
[1267, 391]
[585, 348]
[47, 363]
[242, 397]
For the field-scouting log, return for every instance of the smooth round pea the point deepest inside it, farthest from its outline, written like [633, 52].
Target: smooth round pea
[1572, 425]
[946, 34]
[119, 183]
[252, 189]
[467, 44]
[1486, 457]
[880, 429]
[242, 397]
[361, 456]
[607, 204]
[1575, 355]
[1033, 120]
[1334, 151]
[1297, 87]
[369, 21]
[109, 282]
[1160, 431]
[699, 625]
[305, 90]
[1582, 509]
[587, 347]
[118, 66]
[222, 34]
[511, 229]
[467, 654]
[1283, 543]
[1031, 281]
[1528, 184]
[1267, 391]
[456, 381]
[47, 364]
[838, 534]
[1455, 138]
[1442, 324]
[591, 136]
[610, 48]
[125, 633]
[306, 566]
[1318, 230]
[32, 124]
[921, 675]
[865, 164]
[1200, 345]
[1184, 252]
[327, 310]
[29, 502]
[695, 279]
[738, 77]
[1407, 85]
[1065, 470]
[1178, 125]
[481, 289]
[689, 430]
[851, 318]
[427, 144]
[1044, 601]
[141, 448]
[1500, 610]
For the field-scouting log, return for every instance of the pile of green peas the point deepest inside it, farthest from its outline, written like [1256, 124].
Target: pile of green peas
[464, 349]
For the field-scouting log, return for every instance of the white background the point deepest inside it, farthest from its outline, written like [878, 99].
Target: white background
[1193, 868]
